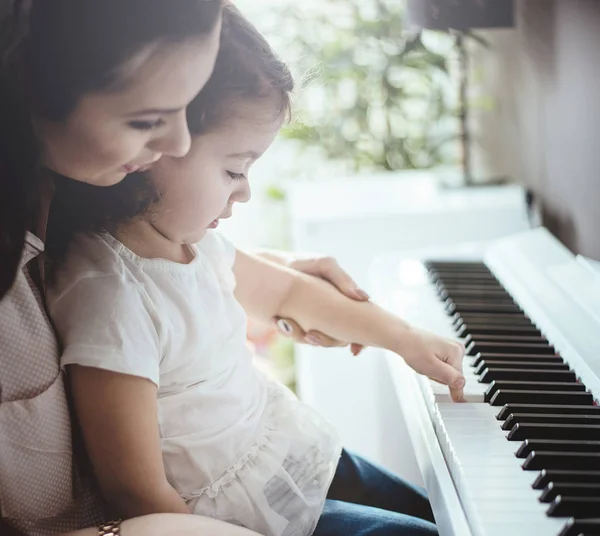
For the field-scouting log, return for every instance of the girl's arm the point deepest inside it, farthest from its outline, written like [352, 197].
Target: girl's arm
[268, 290]
[118, 417]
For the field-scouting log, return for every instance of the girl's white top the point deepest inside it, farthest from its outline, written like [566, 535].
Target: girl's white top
[236, 445]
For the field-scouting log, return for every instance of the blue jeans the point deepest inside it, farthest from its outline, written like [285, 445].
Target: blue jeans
[366, 500]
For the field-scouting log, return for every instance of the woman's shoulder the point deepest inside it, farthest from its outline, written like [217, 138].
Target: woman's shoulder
[88, 256]
[95, 254]
[92, 262]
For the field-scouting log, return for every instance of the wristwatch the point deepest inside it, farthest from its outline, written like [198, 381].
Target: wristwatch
[112, 528]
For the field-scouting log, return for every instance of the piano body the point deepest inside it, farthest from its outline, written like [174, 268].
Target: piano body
[522, 455]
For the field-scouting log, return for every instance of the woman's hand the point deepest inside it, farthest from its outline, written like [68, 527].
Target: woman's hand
[326, 268]
[435, 357]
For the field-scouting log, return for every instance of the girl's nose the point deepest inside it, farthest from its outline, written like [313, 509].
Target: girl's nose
[243, 194]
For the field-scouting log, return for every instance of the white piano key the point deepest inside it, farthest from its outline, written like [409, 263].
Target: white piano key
[508, 527]
[496, 485]
[473, 391]
[418, 406]
[486, 471]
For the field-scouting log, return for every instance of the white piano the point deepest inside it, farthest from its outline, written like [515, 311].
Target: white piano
[476, 483]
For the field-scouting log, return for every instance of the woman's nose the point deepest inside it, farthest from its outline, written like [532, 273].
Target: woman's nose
[177, 140]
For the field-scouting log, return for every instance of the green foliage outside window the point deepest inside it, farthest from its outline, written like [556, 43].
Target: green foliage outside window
[375, 94]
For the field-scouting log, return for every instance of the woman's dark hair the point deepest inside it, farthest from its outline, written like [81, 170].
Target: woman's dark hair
[51, 53]
[246, 70]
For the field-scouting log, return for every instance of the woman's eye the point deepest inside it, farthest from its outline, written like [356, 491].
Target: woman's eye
[146, 125]
[236, 176]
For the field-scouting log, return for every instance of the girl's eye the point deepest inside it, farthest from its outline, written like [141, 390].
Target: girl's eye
[146, 125]
[236, 176]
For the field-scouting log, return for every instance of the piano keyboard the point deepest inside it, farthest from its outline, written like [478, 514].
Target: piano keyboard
[522, 455]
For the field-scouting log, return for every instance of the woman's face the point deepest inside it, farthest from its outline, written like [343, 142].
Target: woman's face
[112, 133]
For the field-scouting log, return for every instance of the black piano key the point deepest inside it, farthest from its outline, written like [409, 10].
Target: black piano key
[546, 476]
[546, 408]
[454, 283]
[507, 396]
[496, 385]
[537, 358]
[478, 292]
[513, 339]
[509, 347]
[581, 527]
[458, 270]
[449, 275]
[432, 263]
[520, 365]
[527, 374]
[491, 329]
[506, 320]
[450, 290]
[555, 445]
[538, 460]
[496, 304]
[578, 507]
[475, 306]
[456, 265]
[522, 431]
[462, 264]
[515, 418]
[569, 490]
[466, 285]
[475, 293]
[480, 307]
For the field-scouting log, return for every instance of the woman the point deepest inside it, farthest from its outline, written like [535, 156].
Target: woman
[92, 91]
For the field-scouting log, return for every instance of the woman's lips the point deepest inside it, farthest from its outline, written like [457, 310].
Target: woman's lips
[132, 168]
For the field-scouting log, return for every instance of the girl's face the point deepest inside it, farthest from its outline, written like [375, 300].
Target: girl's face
[200, 189]
[112, 133]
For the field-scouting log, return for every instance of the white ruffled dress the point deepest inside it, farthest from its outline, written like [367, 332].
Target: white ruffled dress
[236, 445]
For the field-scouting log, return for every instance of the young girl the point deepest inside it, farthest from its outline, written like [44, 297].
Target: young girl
[152, 314]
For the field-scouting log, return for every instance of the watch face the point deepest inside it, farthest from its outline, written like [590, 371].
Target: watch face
[461, 14]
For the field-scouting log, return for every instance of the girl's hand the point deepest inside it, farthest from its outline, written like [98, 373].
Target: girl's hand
[326, 268]
[435, 357]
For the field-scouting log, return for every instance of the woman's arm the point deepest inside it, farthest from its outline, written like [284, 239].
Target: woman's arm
[267, 290]
[172, 525]
[118, 415]
[326, 268]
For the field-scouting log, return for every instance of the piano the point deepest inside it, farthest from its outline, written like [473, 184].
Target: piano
[522, 455]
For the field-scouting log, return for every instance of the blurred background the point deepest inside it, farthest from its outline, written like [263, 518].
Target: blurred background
[416, 124]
